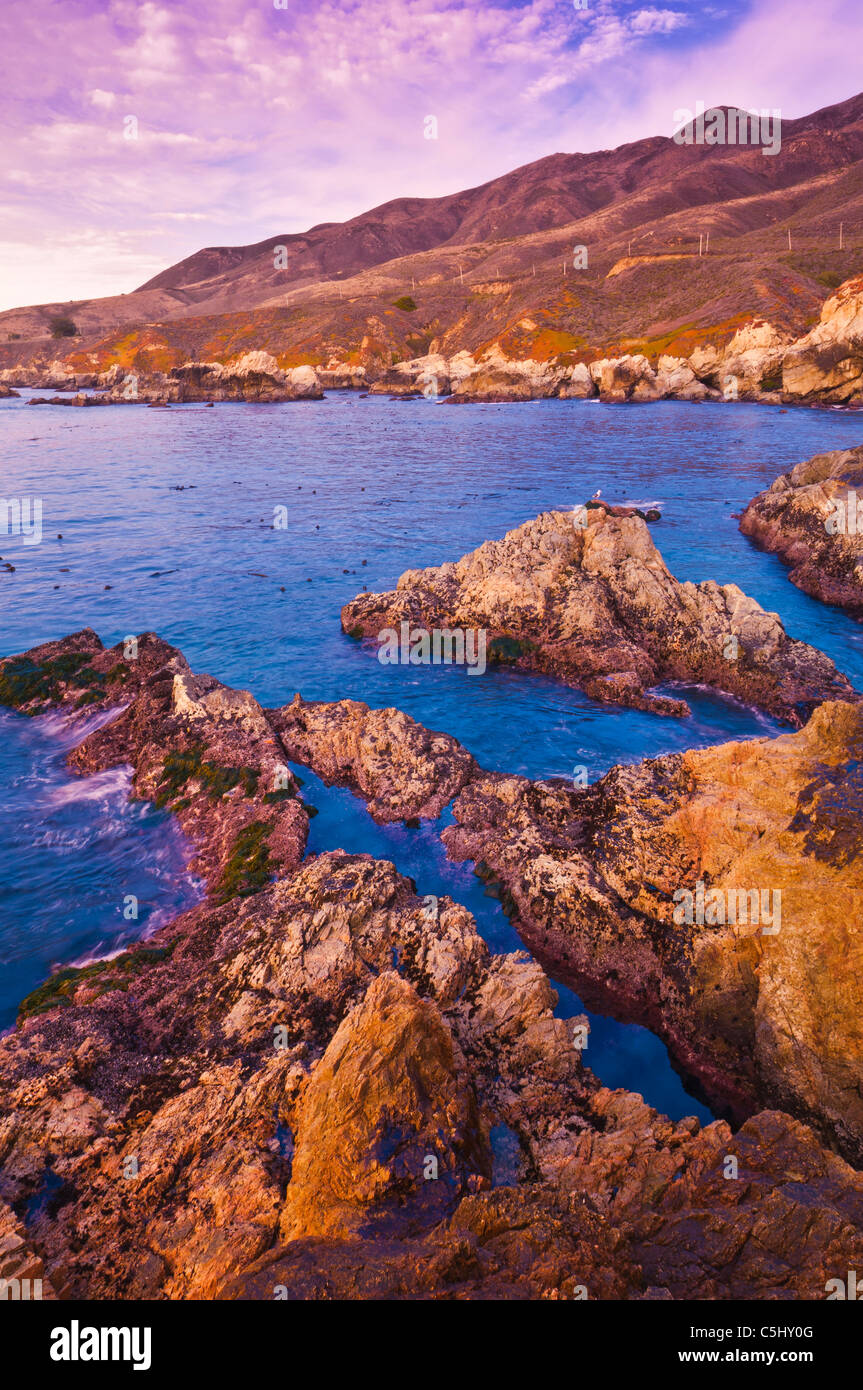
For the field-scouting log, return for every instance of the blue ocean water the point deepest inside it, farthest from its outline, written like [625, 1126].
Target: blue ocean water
[166, 523]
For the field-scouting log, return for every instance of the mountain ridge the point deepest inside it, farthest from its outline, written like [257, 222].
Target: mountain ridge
[338, 296]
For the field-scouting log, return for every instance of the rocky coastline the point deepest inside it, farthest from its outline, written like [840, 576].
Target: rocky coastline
[758, 363]
[318, 1083]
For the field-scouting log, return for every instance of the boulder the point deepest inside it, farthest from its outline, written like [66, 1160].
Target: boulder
[828, 362]
[401, 769]
[586, 597]
[813, 518]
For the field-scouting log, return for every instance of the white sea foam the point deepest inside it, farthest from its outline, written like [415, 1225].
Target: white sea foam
[113, 782]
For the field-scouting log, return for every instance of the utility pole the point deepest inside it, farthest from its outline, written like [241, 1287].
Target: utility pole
[534, 272]
[460, 276]
[789, 238]
[700, 240]
[707, 244]
[841, 225]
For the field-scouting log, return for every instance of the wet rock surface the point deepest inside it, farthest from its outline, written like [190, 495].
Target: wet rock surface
[587, 598]
[811, 517]
[196, 748]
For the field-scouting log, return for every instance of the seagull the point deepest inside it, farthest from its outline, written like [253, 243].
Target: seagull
[596, 494]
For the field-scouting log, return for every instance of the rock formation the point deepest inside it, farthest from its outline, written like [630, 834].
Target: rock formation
[314, 1086]
[203, 751]
[401, 769]
[827, 364]
[711, 895]
[587, 597]
[813, 518]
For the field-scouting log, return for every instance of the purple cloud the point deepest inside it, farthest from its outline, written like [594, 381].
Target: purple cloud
[135, 133]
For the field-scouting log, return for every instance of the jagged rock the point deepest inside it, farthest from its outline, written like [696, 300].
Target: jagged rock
[675, 377]
[172, 1119]
[497, 377]
[203, 750]
[342, 376]
[507, 1244]
[752, 361]
[6, 391]
[813, 518]
[625, 378]
[578, 383]
[22, 1273]
[254, 376]
[587, 597]
[759, 998]
[427, 376]
[399, 767]
[389, 1103]
[827, 363]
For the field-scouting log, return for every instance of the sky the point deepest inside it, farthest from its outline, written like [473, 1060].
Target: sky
[132, 134]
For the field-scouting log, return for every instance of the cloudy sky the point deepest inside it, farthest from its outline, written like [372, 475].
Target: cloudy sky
[256, 117]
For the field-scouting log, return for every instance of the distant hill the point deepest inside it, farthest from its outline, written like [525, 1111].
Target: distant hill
[495, 262]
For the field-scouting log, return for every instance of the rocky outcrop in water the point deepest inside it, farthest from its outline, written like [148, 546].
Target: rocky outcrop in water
[322, 1085]
[813, 518]
[203, 751]
[400, 768]
[256, 376]
[586, 597]
[712, 895]
[634, 378]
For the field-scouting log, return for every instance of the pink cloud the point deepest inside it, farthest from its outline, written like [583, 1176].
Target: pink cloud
[254, 121]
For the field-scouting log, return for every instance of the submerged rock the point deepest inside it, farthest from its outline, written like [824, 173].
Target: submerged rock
[813, 518]
[586, 597]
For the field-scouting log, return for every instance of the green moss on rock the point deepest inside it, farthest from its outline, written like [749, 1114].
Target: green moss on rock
[59, 989]
[179, 768]
[248, 867]
[507, 650]
[23, 681]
